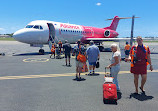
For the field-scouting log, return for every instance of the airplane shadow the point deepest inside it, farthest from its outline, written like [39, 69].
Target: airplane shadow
[141, 97]
[31, 54]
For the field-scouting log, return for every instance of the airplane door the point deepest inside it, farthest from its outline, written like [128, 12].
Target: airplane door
[51, 32]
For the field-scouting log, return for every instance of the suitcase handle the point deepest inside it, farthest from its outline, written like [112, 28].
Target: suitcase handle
[107, 74]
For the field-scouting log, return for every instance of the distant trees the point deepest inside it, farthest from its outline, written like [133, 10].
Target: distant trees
[7, 35]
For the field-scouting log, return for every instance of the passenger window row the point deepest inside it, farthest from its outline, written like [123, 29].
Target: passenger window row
[75, 31]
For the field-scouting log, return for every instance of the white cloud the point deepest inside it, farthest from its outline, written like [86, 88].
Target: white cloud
[98, 4]
[2, 29]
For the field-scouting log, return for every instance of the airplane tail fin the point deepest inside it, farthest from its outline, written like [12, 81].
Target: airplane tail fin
[115, 22]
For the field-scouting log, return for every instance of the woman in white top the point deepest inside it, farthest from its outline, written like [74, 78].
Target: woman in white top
[115, 64]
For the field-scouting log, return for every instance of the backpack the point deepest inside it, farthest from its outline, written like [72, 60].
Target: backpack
[81, 57]
[69, 47]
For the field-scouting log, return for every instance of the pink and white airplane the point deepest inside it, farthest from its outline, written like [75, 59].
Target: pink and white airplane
[40, 32]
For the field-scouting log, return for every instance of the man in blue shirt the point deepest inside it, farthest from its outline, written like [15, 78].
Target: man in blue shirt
[93, 54]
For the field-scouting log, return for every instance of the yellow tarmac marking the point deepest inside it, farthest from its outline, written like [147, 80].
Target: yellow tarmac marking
[56, 75]
[36, 60]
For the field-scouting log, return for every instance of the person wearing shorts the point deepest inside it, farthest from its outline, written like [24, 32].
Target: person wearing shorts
[67, 51]
[79, 48]
[93, 54]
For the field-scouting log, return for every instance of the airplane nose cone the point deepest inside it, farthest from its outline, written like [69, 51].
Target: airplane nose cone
[19, 35]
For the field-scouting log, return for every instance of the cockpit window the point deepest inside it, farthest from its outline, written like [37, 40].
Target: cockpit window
[29, 26]
[41, 27]
[36, 27]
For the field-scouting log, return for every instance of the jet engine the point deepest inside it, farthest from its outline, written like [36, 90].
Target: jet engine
[110, 33]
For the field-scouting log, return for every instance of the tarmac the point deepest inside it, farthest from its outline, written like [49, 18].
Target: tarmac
[32, 82]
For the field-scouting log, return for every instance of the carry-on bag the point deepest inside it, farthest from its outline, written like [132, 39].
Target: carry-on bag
[97, 64]
[84, 68]
[109, 89]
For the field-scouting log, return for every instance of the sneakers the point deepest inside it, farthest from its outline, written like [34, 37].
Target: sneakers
[68, 65]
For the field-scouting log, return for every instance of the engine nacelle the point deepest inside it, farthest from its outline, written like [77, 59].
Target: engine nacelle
[110, 33]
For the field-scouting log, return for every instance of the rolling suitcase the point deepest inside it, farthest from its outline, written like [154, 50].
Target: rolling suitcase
[109, 89]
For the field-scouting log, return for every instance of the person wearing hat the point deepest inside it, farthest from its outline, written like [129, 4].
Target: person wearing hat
[67, 51]
[93, 54]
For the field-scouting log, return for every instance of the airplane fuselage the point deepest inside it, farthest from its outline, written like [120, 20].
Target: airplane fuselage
[41, 31]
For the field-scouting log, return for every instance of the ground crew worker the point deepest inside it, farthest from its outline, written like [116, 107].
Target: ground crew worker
[140, 58]
[127, 50]
[53, 50]
[60, 45]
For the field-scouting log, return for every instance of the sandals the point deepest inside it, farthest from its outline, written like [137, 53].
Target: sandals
[143, 91]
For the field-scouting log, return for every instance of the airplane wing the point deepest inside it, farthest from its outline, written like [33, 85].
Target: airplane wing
[117, 39]
[108, 39]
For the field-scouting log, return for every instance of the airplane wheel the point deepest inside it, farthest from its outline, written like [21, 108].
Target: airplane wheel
[41, 52]
[101, 48]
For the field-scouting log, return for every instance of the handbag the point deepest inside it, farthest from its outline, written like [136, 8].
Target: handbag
[97, 64]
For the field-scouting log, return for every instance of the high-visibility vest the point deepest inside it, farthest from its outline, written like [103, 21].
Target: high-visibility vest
[127, 47]
[53, 48]
[134, 51]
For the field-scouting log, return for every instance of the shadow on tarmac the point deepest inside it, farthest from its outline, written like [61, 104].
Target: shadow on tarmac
[77, 79]
[110, 102]
[119, 95]
[67, 65]
[154, 52]
[31, 54]
[141, 97]
[95, 74]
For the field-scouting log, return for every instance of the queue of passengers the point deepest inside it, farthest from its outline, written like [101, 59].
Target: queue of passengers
[139, 55]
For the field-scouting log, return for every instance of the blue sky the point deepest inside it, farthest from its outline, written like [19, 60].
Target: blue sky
[16, 14]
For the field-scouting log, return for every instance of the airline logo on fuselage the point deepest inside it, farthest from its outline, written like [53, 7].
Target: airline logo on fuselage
[69, 26]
